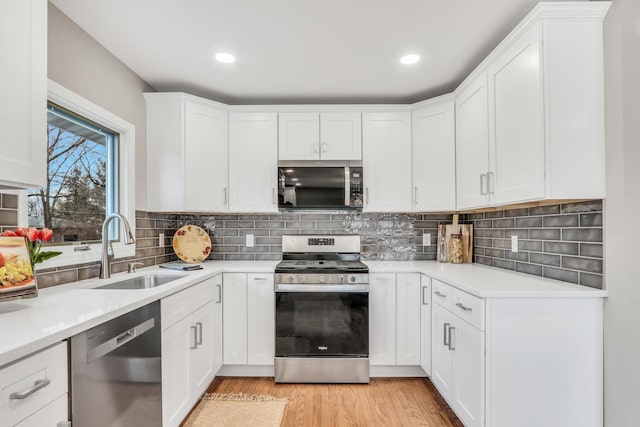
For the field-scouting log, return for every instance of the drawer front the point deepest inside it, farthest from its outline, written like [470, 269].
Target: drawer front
[32, 383]
[175, 308]
[442, 294]
[202, 293]
[54, 414]
[468, 308]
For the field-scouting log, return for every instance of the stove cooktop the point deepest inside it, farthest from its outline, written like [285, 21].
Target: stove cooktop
[321, 266]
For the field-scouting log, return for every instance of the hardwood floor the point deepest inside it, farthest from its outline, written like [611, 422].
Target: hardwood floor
[383, 402]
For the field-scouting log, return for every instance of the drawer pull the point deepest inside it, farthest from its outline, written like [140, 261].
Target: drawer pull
[260, 279]
[463, 307]
[38, 385]
[440, 294]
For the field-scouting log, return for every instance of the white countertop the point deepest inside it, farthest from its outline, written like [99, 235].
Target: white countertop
[63, 311]
[488, 282]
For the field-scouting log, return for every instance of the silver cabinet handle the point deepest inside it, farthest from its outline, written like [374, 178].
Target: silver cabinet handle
[366, 195]
[451, 336]
[219, 294]
[463, 307]
[273, 195]
[490, 189]
[425, 295]
[440, 294]
[224, 195]
[37, 385]
[195, 337]
[482, 184]
[199, 337]
[445, 334]
[415, 195]
[260, 278]
[324, 147]
[315, 148]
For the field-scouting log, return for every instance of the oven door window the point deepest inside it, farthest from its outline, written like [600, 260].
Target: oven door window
[326, 324]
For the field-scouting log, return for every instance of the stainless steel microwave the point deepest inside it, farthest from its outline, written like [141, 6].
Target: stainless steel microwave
[319, 187]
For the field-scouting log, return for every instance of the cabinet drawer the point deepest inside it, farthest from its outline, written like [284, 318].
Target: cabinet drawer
[39, 380]
[469, 308]
[179, 305]
[442, 294]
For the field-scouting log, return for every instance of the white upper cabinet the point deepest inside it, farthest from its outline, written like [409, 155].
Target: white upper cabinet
[434, 156]
[23, 135]
[253, 162]
[386, 146]
[320, 136]
[187, 146]
[540, 95]
[472, 143]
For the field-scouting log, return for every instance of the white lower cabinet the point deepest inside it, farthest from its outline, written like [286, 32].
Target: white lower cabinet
[189, 343]
[249, 328]
[34, 390]
[395, 313]
[458, 365]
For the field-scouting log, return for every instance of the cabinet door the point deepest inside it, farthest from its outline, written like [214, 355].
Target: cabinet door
[434, 157]
[516, 117]
[341, 136]
[261, 319]
[382, 319]
[425, 321]
[217, 324]
[177, 342]
[441, 362]
[299, 136]
[205, 151]
[202, 356]
[23, 136]
[386, 159]
[408, 310]
[472, 144]
[253, 162]
[467, 401]
[55, 413]
[234, 297]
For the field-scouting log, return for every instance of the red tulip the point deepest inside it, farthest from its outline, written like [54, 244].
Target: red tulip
[22, 232]
[8, 233]
[45, 234]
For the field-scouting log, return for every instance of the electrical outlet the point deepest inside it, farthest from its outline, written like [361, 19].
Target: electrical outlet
[514, 243]
[426, 239]
[161, 239]
[249, 241]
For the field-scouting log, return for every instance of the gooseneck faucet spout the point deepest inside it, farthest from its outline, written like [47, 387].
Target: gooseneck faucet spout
[107, 249]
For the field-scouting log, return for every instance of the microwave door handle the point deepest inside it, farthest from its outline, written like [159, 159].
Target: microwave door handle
[347, 186]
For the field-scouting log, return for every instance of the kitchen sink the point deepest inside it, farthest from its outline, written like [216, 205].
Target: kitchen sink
[142, 282]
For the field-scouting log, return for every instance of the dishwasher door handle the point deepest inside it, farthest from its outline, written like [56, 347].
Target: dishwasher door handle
[119, 340]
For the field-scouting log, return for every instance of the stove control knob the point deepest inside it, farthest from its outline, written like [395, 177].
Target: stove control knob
[321, 278]
[342, 278]
[352, 279]
[290, 278]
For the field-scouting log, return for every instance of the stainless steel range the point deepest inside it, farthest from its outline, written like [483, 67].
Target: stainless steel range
[322, 311]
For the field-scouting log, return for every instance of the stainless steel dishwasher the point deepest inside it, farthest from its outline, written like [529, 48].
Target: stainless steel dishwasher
[116, 372]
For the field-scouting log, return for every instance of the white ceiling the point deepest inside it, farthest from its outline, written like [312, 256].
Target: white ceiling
[300, 51]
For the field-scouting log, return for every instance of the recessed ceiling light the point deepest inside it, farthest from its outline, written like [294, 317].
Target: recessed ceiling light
[288, 170]
[225, 58]
[297, 183]
[294, 179]
[410, 59]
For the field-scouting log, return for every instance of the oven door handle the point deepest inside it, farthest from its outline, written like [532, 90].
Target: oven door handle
[286, 287]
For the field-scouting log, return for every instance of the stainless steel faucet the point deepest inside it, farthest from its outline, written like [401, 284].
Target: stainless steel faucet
[107, 248]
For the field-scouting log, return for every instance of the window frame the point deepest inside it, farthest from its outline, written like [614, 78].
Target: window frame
[75, 103]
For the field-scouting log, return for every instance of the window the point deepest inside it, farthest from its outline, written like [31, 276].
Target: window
[82, 179]
[112, 141]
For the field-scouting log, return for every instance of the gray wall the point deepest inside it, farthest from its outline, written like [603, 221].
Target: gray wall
[79, 63]
[622, 308]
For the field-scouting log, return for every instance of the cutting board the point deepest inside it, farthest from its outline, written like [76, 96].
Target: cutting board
[467, 239]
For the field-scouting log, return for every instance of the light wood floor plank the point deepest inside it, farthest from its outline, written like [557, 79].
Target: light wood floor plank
[382, 402]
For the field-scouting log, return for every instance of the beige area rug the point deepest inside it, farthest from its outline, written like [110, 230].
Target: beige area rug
[237, 410]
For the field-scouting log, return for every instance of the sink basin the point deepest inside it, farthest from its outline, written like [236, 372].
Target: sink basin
[142, 282]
